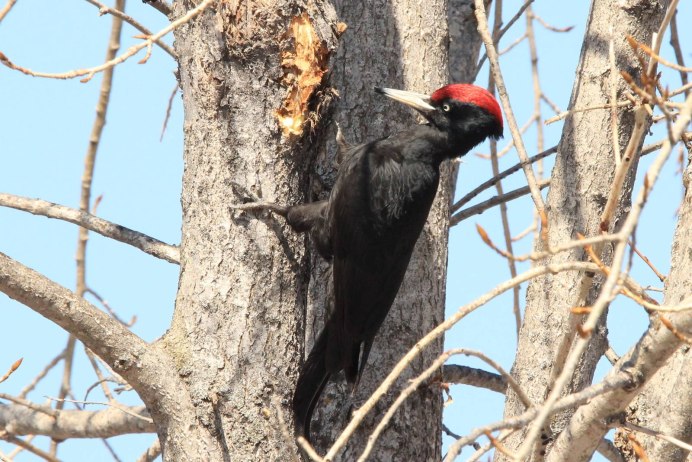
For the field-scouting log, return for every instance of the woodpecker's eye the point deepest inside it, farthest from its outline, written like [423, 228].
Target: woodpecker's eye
[445, 107]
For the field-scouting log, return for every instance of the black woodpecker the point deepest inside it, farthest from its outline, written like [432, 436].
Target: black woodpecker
[371, 221]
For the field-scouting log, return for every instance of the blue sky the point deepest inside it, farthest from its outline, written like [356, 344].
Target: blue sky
[44, 128]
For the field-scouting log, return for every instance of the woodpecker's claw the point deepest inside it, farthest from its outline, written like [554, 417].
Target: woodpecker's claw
[278, 209]
[258, 204]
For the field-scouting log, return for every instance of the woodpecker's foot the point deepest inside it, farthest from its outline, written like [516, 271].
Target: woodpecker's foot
[259, 205]
[255, 203]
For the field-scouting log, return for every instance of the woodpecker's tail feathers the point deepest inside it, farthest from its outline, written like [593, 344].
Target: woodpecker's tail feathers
[311, 381]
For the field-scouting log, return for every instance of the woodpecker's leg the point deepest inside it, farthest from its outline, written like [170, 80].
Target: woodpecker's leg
[255, 203]
[260, 205]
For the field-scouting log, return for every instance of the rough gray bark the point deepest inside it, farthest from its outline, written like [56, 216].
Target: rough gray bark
[398, 45]
[236, 335]
[665, 404]
[580, 184]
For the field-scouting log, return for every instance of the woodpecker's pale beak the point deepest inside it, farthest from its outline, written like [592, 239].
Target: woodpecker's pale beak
[417, 101]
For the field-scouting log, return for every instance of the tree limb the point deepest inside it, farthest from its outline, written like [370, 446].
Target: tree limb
[464, 375]
[148, 368]
[153, 247]
[98, 331]
[20, 420]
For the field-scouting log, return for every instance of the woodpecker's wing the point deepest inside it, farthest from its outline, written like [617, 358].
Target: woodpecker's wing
[377, 210]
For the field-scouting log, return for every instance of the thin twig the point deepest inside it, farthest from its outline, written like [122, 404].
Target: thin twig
[103, 9]
[114, 405]
[567, 402]
[309, 449]
[512, 45]
[104, 387]
[504, 98]
[481, 450]
[359, 414]
[608, 289]
[594, 107]
[15, 452]
[53, 362]
[168, 111]
[550, 27]
[495, 164]
[675, 43]
[658, 274]
[510, 23]
[492, 202]
[110, 310]
[659, 435]
[29, 447]
[11, 370]
[415, 383]
[90, 72]
[6, 9]
[151, 453]
[629, 158]
[28, 404]
[504, 174]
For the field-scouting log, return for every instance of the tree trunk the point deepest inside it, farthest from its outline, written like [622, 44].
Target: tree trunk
[381, 49]
[579, 188]
[665, 404]
[237, 331]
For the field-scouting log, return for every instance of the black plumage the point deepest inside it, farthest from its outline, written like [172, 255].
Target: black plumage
[371, 221]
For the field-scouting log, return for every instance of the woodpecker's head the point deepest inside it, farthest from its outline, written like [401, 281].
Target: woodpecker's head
[468, 113]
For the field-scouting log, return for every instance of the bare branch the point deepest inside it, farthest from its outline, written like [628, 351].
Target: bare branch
[359, 414]
[29, 447]
[504, 174]
[53, 362]
[608, 450]
[106, 228]
[504, 98]
[620, 381]
[510, 23]
[168, 111]
[646, 358]
[20, 420]
[12, 368]
[415, 383]
[152, 452]
[114, 405]
[664, 437]
[6, 9]
[103, 9]
[492, 202]
[675, 43]
[90, 72]
[101, 333]
[464, 375]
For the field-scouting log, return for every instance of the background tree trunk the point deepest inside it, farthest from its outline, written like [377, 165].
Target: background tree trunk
[665, 403]
[237, 333]
[579, 188]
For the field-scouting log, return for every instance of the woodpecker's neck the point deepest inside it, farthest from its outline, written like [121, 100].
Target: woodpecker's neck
[464, 127]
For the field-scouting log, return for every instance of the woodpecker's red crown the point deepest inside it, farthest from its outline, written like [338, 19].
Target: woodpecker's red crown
[467, 93]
